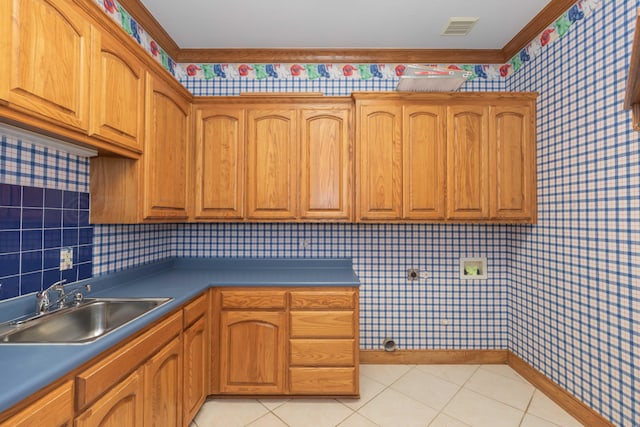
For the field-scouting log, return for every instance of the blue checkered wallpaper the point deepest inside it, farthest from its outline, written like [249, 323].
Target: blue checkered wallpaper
[574, 278]
[414, 313]
[44, 206]
[329, 87]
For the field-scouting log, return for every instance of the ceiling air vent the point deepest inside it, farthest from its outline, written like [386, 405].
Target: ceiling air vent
[459, 26]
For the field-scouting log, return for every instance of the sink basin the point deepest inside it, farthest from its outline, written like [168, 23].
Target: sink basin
[84, 323]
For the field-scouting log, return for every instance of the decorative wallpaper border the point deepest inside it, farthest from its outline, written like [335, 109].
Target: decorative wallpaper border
[553, 32]
[113, 9]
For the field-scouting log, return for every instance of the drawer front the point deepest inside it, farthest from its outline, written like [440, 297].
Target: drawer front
[93, 382]
[253, 299]
[323, 299]
[323, 381]
[322, 352]
[196, 309]
[322, 324]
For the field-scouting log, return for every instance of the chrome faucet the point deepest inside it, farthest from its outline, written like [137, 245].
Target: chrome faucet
[44, 300]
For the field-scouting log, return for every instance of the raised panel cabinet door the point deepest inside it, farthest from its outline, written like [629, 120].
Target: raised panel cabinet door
[424, 162]
[119, 407]
[512, 163]
[325, 164]
[468, 162]
[219, 163]
[379, 138]
[55, 409]
[163, 387]
[45, 49]
[166, 152]
[196, 372]
[271, 164]
[117, 93]
[252, 352]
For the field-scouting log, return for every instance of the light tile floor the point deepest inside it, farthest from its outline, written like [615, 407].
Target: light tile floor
[404, 396]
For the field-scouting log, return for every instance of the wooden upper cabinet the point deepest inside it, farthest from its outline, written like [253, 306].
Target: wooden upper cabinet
[512, 163]
[219, 184]
[45, 46]
[468, 162]
[166, 151]
[117, 93]
[424, 162]
[380, 161]
[325, 164]
[271, 164]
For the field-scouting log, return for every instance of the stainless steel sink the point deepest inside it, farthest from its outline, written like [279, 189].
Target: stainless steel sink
[84, 323]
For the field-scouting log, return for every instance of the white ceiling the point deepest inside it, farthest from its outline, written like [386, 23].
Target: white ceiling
[403, 24]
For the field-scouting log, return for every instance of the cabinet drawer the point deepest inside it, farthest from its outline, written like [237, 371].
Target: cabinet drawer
[319, 352]
[196, 309]
[322, 300]
[93, 382]
[337, 381]
[252, 299]
[320, 324]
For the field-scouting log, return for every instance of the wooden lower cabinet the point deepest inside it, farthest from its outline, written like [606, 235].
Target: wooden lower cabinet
[196, 356]
[119, 407]
[54, 409]
[287, 341]
[252, 352]
[323, 344]
[163, 387]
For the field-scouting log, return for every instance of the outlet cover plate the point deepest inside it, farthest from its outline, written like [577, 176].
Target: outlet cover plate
[66, 258]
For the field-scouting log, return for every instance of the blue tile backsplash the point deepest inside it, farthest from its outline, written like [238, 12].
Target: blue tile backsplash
[35, 223]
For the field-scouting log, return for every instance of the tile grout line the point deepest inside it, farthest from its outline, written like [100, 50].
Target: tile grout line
[460, 387]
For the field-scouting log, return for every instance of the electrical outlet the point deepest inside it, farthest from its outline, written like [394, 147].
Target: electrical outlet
[66, 258]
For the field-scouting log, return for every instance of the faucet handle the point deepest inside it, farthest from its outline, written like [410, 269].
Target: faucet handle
[42, 303]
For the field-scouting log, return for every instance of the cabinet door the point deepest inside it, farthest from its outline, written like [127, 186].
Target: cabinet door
[166, 152]
[121, 406]
[252, 347]
[117, 93]
[271, 164]
[325, 164]
[379, 138]
[163, 387]
[45, 50]
[219, 163]
[424, 162]
[55, 409]
[468, 162]
[196, 356]
[512, 163]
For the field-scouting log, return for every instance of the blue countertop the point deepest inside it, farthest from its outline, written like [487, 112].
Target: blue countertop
[29, 367]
